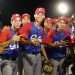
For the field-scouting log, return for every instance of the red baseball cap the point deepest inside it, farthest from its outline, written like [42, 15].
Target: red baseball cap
[40, 10]
[49, 20]
[25, 15]
[66, 20]
[16, 17]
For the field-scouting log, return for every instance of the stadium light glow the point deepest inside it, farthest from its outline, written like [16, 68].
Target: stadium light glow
[62, 8]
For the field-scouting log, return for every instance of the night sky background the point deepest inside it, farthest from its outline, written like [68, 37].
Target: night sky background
[8, 7]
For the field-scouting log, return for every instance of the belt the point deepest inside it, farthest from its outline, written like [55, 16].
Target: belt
[33, 53]
[9, 58]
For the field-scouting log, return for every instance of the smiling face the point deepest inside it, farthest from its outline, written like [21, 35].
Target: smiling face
[16, 21]
[39, 17]
[61, 25]
[47, 24]
[25, 20]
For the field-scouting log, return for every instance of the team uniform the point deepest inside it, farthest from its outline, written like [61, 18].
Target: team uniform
[47, 40]
[2, 40]
[11, 46]
[48, 34]
[32, 57]
[10, 54]
[33, 65]
[58, 54]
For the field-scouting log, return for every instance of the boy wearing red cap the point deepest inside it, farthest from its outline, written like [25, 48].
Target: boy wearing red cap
[58, 53]
[25, 18]
[10, 51]
[47, 39]
[32, 38]
[26, 23]
[48, 33]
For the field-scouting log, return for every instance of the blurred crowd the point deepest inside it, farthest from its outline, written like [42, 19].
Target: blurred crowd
[42, 47]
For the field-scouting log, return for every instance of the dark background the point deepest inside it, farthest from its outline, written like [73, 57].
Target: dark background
[8, 7]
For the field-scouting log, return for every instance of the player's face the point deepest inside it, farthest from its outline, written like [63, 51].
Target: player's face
[25, 20]
[61, 24]
[39, 18]
[16, 23]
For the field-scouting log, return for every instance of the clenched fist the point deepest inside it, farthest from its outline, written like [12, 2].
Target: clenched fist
[16, 38]
[35, 41]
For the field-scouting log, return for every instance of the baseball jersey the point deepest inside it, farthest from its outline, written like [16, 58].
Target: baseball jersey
[58, 52]
[29, 32]
[48, 39]
[11, 50]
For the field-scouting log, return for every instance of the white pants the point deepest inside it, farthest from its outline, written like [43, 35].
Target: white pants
[57, 64]
[9, 67]
[35, 67]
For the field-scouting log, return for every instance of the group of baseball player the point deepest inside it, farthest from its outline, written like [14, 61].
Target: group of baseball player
[53, 37]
